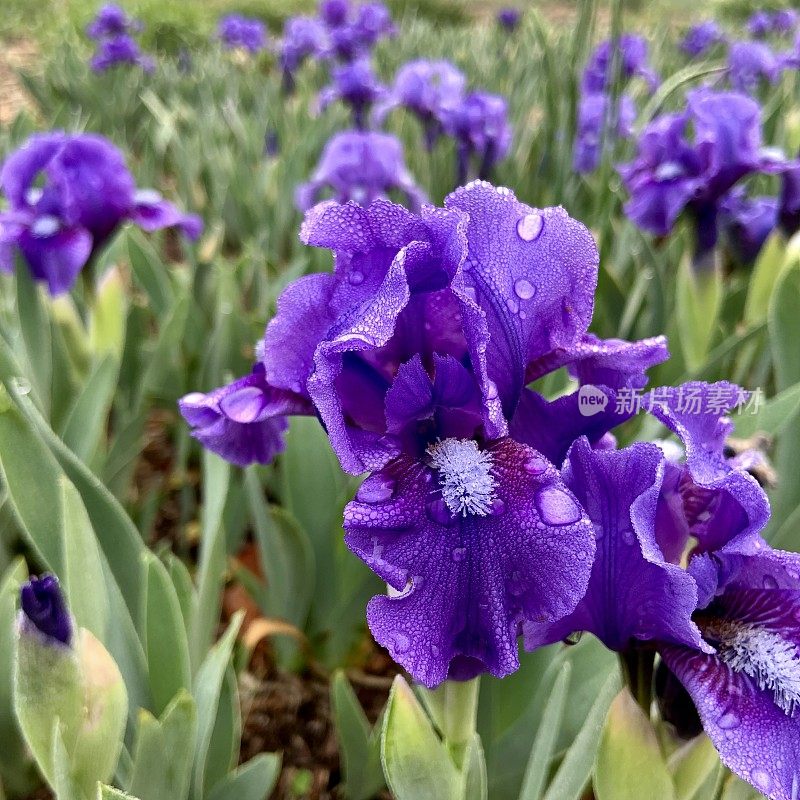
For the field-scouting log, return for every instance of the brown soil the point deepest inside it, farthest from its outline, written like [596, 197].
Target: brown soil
[16, 55]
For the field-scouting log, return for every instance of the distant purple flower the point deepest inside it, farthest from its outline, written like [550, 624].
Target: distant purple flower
[750, 63]
[764, 23]
[236, 31]
[747, 689]
[509, 18]
[702, 37]
[245, 421]
[334, 13]
[785, 20]
[111, 20]
[633, 63]
[672, 174]
[430, 89]
[759, 24]
[373, 22]
[303, 37]
[117, 50]
[67, 194]
[479, 124]
[361, 167]
[593, 117]
[747, 222]
[44, 609]
[356, 85]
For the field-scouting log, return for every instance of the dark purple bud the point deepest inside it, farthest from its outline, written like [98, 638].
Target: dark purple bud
[509, 18]
[272, 144]
[44, 608]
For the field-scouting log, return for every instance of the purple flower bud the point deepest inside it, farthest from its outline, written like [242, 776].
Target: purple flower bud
[509, 18]
[303, 37]
[334, 12]
[44, 608]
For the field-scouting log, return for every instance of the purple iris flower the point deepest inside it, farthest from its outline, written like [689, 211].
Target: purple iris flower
[508, 18]
[44, 609]
[593, 118]
[415, 354]
[750, 63]
[236, 31]
[430, 89]
[633, 63]
[67, 194]
[747, 222]
[303, 37]
[764, 23]
[334, 13]
[747, 689]
[356, 85]
[702, 37]
[111, 20]
[360, 166]
[480, 126]
[760, 24]
[373, 22]
[117, 50]
[672, 174]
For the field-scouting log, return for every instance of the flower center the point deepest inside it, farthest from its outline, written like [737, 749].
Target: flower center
[465, 474]
[768, 658]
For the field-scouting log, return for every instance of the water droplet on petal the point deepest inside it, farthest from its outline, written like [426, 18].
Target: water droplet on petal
[768, 582]
[530, 226]
[491, 390]
[535, 465]
[627, 535]
[557, 507]
[729, 720]
[498, 507]
[761, 780]
[574, 638]
[439, 513]
[459, 554]
[376, 489]
[524, 289]
[399, 642]
[356, 278]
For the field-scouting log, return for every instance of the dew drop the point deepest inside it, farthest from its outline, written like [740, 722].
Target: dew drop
[535, 465]
[356, 278]
[459, 554]
[574, 638]
[22, 385]
[376, 489]
[557, 507]
[530, 226]
[729, 720]
[761, 780]
[524, 289]
[627, 536]
[399, 642]
[439, 513]
[513, 305]
[498, 507]
[768, 582]
[491, 390]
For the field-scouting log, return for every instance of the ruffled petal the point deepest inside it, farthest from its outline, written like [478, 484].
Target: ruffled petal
[633, 592]
[20, 169]
[151, 213]
[534, 274]
[467, 582]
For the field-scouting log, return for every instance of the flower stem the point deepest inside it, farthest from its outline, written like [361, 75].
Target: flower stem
[458, 705]
[637, 668]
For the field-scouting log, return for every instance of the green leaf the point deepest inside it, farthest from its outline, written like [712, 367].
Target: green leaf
[208, 686]
[416, 763]
[699, 298]
[546, 737]
[359, 745]
[86, 421]
[164, 751]
[83, 576]
[254, 780]
[764, 278]
[150, 272]
[165, 641]
[35, 327]
[576, 768]
[223, 750]
[692, 766]
[216, 479]
[108, 315]
[737, 789]
[110, 793]
[629, 762]
[773, 416]
[784, 328]
[476, 783]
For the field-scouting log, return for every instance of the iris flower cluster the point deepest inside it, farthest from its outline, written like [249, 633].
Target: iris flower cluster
[494, 513]
[237, 32]
[700, 38]
[675, 174]
[113, 31]
[765, 23]
[600, 110]
[67, 194]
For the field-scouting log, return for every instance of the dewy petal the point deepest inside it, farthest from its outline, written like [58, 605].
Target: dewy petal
[56, 259]
[243, 422]
[722, 506]
[533, 272]
[633, 592]
[467, 582]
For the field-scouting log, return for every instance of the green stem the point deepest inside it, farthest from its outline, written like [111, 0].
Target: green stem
[458, 706]
[638, 665]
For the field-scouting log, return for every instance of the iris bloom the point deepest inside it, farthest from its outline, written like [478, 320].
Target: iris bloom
[429, 89]
[236, 31]
[632, 63]
[750, 63]
[356, 85]
[111, 20]
[700, 38]
[303, 37]
[361, 166]
[415, 353]
[508, 18]
[747, 222]
[67, 194]
[117, 50]
[673, 174]
[593, 118]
